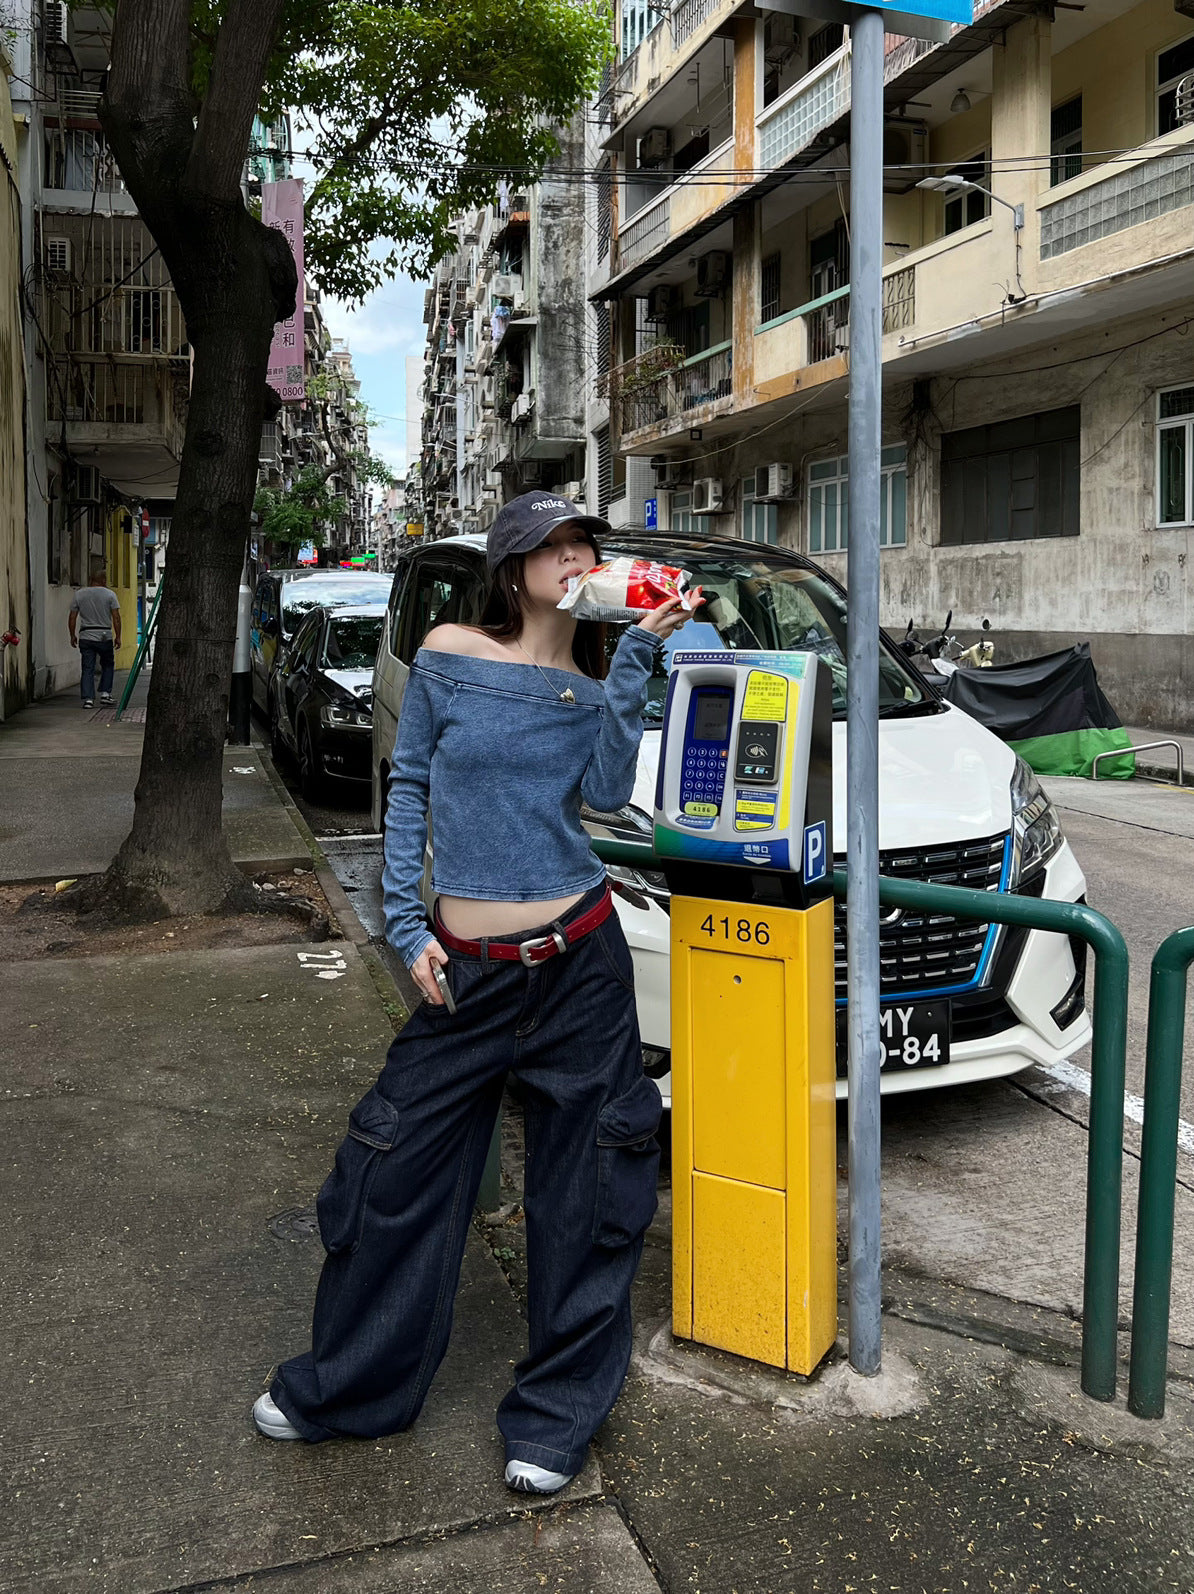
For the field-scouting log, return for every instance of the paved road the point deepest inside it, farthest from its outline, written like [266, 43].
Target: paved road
[984, 1186]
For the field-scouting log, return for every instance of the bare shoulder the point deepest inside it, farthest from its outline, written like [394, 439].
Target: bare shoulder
[459, 639]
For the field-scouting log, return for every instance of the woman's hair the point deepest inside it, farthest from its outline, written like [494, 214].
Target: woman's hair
[502, 619]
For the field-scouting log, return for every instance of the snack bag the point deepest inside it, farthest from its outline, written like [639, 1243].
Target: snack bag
[624, 589]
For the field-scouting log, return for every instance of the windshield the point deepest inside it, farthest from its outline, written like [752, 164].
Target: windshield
[756, 602]
[332, 592]
[352, 641]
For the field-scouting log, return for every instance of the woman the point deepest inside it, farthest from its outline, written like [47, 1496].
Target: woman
[505, 731]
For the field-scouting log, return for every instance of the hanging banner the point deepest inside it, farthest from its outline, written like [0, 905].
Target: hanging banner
[282, 207]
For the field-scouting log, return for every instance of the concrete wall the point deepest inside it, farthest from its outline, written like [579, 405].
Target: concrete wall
[558, 294]
[15, 662]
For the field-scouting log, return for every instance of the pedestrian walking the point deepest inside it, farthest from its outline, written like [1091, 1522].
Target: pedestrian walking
[506, 728]
[95, 613]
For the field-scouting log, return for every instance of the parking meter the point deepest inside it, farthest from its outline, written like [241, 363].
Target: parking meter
[743, 813]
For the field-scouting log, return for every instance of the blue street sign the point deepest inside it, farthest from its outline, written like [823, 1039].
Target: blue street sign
[816, 853]
[651, 508]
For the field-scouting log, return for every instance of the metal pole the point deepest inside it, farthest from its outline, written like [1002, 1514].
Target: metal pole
[1158, 1175]
[862, 698]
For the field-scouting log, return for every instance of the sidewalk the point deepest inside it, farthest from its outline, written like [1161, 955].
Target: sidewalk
[68, 774]
[166, 1122]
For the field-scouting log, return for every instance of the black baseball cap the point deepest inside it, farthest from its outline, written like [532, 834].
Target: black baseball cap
[527, 522]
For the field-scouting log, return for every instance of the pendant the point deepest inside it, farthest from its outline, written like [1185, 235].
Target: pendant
[567, 696]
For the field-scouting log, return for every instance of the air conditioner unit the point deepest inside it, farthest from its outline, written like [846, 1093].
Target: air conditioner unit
[773, 482]
[572, 490]
[781, 37]
[905, 156]
[706, 496]
[505, 285]
[58, 253]
[55, 31]
[655, 146]
[521, 408]
[662, 302]
[713, 273]
[88, 486]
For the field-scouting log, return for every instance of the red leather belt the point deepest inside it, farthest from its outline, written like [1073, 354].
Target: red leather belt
[536, 950]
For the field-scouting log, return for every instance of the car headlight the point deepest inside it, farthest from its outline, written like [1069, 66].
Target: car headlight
[346, 716]
[1036, 829]
[631, 824]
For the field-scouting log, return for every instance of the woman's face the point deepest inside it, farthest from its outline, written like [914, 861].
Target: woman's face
[546, 571]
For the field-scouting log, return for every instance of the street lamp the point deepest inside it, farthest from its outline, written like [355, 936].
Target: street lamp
[955, 183]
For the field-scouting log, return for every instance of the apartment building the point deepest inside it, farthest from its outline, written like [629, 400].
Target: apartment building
[507, 361]
[1038, 347]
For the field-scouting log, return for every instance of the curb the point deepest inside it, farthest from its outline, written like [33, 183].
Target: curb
[338, 900]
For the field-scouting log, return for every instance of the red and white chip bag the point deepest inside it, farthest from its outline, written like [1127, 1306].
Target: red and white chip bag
[624, 589]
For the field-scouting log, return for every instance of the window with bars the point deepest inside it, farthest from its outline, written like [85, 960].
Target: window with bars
[1175, 457]
[683, 520]
[829, 507]
[1172, 66]
[605, 469]
[769, 288]
[760, 522]
[824, 42]
[972, 205]
[1065, 141]
[605, 208]
[1012, 480]
[604, 340]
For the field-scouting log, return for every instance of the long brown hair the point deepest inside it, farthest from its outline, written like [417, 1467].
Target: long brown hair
[502, 616]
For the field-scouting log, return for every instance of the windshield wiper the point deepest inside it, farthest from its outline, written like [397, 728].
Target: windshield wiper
[907, 710]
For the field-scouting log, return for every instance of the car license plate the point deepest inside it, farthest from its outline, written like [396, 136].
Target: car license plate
[914, 1035]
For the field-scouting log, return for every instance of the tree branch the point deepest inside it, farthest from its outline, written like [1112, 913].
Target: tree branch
[246, 41]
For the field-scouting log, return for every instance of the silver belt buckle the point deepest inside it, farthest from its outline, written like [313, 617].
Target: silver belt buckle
[526, 948]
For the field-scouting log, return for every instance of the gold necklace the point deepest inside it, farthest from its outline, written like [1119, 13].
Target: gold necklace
[567, 695]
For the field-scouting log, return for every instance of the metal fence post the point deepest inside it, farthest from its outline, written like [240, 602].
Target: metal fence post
[1158, 1175]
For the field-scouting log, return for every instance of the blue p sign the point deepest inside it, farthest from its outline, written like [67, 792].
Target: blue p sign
[816, 853]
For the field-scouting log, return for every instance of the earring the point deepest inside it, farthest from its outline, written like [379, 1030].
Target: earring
[513, 587]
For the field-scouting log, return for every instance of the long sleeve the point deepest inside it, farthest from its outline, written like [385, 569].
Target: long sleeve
[419, 726]
[608, 781]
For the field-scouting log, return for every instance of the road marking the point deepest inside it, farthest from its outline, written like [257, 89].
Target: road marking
[324, 965]
[354, 836]
[1070, 1077]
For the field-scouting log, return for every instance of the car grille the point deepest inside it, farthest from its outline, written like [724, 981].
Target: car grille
[924, 952]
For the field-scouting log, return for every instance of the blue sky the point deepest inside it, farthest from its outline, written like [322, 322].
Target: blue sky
[381, 333]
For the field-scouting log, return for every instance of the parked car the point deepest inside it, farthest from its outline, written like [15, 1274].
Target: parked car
[323, 693]
[956, 806]
[281, 601]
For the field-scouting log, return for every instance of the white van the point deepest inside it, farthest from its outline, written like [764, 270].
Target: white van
[956, 806]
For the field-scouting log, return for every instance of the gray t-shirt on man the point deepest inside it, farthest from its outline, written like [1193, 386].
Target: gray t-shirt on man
[95, 607]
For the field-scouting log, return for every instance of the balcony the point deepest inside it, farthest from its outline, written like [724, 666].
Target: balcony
[80, 173]
[663, 52]
[660, 388]
[810, 106]
[124, 416]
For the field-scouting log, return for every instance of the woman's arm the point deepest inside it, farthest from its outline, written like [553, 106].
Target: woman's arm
[608, 781]
[419, 726]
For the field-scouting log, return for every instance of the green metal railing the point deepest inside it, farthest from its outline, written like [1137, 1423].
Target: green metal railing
[1104, 1169]
[1158, 1174]
[142, 649]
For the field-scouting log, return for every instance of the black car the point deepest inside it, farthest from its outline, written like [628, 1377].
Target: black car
[322, 697]
[281, 601]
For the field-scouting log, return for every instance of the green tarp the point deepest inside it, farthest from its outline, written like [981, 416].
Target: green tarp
[1051, 710]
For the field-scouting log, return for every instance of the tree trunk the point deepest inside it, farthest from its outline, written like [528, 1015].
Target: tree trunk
[176, 858]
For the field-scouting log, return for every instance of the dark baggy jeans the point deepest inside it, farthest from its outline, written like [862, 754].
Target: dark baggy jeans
[394, 1213]
[96, 653]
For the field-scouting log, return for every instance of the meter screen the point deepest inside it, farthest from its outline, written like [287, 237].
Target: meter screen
[711, 722]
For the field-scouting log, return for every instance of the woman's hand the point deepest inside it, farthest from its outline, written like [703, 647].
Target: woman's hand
[421, 972]
[670, 616]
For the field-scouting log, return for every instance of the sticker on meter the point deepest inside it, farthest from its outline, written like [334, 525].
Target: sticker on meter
[766, 696]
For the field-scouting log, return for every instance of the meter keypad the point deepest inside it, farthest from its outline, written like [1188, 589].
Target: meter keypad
[703, 779]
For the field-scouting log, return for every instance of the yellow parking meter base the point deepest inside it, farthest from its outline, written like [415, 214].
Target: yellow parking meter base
[754, 1129]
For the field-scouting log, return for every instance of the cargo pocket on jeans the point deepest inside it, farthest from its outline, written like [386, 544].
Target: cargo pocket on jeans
[627, 1165]
[340, 1204]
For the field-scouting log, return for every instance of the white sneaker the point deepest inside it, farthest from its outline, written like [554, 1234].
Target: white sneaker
[274, 1424]
[527, 1478]
[105, 697]
[88, 702]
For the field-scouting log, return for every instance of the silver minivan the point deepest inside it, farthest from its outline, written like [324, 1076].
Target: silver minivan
[956, 806]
